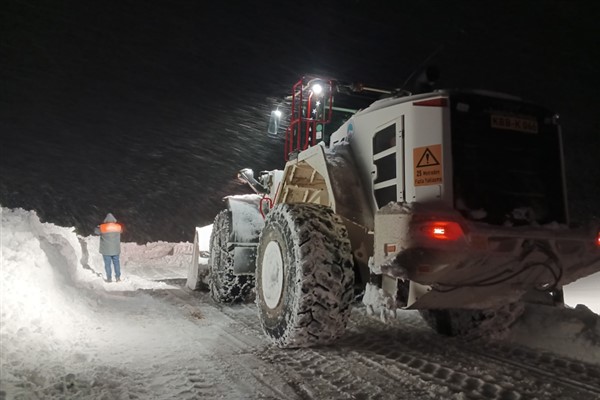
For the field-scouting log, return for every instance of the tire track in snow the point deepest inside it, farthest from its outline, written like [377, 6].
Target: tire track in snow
[314, 373]
[444, 364]
[330, 376]
[307, 371]
[519, 376]
[573, 374]
[205, 383]
[374, 373]
[231, 371]
[402, 360]
[329, 372]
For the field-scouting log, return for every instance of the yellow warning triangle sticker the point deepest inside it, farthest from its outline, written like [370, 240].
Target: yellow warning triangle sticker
[427, 159]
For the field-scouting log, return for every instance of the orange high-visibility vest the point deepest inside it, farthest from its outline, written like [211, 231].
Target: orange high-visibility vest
[111, 227]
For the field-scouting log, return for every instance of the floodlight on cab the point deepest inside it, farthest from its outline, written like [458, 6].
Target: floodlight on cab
[317, 89]
[244, 174]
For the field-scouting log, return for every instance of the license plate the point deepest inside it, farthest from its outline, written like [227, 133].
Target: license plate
[519, 124]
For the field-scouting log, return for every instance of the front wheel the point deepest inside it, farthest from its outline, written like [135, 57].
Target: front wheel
[225, 286]
[304, 276]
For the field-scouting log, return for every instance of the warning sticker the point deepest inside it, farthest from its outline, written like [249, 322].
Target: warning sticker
[428, 165]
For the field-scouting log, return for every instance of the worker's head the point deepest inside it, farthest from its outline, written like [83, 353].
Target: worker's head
[110, 218]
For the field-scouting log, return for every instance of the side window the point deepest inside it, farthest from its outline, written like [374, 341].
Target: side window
[384, 139]
[385, 182]
[386, 168]
[385, 195]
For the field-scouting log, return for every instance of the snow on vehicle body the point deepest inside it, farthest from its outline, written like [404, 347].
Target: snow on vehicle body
[449, 202]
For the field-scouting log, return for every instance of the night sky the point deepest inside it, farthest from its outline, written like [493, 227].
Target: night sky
[147, 109]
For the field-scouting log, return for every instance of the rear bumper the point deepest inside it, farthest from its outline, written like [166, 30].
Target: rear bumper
[486, 265]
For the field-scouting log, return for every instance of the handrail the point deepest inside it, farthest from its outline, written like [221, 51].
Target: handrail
[302, 130]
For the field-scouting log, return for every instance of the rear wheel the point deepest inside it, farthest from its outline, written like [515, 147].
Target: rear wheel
[472, 324]
[225, 286]
[304, 276]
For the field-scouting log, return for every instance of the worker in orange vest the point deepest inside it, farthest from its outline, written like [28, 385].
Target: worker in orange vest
[110, 245]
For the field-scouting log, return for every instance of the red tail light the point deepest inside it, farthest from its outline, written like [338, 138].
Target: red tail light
[442, 230]
[440, 102]
[598, 239]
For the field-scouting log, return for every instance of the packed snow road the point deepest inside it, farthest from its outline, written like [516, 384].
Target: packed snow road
[66, 334]
[402, 360]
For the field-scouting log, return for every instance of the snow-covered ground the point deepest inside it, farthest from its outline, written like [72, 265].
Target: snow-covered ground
[65, 333]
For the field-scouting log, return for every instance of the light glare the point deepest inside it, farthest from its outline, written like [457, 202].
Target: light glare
[443, 230]
[439, 231]
[317, 89]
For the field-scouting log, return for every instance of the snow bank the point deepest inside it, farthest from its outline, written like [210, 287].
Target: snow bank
[584, 291]
[45, 291]
[63, 329]
[39, 263]
[156, 261]
[573, 333]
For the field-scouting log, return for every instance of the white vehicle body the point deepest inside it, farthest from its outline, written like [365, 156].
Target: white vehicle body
[415, 134]
[451, 200]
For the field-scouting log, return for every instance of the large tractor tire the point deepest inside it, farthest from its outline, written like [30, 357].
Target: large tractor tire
[304, 276]
[225, 286]
[473, 324]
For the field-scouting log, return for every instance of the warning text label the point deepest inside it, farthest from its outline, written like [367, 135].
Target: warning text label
[428, 165]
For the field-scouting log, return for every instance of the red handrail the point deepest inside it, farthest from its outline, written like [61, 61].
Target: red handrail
[299, 137]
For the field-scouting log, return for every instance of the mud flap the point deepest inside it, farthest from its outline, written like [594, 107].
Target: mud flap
[246, 224]
[244, 260]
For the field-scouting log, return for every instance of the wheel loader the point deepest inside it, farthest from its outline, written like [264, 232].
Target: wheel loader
[450, 202]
